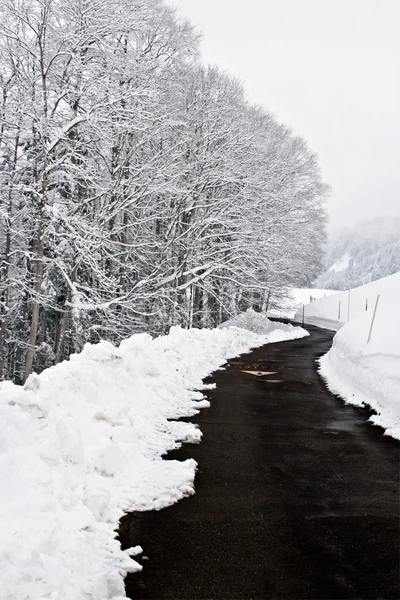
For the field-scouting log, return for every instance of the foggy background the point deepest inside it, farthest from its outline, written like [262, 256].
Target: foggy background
[330, 70]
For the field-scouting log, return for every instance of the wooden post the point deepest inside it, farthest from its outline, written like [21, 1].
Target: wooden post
[373, 319]
[338, 317]
[348, 307]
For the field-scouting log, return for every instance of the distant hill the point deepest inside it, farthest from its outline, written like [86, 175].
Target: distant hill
[366, 252]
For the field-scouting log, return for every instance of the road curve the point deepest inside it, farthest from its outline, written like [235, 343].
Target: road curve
[297, 495]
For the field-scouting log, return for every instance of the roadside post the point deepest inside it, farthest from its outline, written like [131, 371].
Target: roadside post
[373, 318]
[348, 306]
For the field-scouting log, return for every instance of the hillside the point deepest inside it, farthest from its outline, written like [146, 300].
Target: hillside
[366, 252]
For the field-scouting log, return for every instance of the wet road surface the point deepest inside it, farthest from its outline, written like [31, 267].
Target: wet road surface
[297, 495]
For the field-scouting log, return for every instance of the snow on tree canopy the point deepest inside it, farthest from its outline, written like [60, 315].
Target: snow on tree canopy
[138, 188]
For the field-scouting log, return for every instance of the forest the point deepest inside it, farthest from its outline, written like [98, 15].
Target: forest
[362, 253]
[139, 189]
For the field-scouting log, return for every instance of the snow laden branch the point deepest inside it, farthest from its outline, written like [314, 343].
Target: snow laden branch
[138, 189]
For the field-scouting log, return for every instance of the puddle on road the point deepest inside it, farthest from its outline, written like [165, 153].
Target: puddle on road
[338, 426]
[259, 367]
[265, 374]
[258, 373]
[266, 358]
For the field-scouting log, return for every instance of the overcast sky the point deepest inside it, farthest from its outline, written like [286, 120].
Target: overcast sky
[330, 70]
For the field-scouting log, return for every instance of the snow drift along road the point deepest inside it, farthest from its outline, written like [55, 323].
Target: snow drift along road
[292, 304]
[359, 372]
[82, 443]
[334, 311]
[369, 373]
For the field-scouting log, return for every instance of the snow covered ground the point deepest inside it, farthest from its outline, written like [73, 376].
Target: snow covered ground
[369, 373]
[289, 306]
[82, 443]
[257, 323]
[335, 310]
[362, 372]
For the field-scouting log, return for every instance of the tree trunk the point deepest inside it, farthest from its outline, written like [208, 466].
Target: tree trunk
[35, 304]
[62, 331]
[30, 354]
[5, 267]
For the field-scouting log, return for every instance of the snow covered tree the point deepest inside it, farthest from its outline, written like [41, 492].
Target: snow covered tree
[138, 189]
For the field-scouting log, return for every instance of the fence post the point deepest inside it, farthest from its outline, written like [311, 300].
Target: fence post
[373, 318]
[366, 304]
[338, 317]
[348, 307]
[302, 322]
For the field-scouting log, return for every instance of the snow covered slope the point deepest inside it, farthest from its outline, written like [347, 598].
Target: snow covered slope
[369, 373]
[334, 311]
[82, 443]
[288, 307]
[361, 372]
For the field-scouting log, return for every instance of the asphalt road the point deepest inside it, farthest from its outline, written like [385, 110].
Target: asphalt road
[297, 495]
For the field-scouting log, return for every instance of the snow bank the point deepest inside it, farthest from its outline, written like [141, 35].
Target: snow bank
[296, 297]
[369, 373]
[334, 311]
[82, 443]
[259, 323]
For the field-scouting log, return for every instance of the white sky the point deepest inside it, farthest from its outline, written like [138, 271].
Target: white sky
[330, 70]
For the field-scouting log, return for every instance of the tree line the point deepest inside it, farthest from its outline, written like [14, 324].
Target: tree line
[362, 253]
[139, 189]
